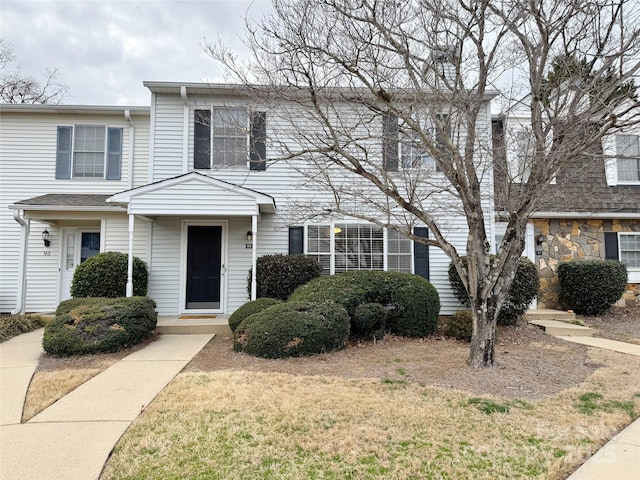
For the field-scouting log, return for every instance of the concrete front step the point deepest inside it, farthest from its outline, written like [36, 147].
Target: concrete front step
[549, 314]
[562, 329]
[183, 326]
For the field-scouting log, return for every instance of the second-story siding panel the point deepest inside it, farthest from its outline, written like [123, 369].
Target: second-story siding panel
[168, 136]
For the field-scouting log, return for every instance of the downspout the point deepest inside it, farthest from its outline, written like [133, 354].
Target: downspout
[22, 263]
[132, 136]
[185, 129]
[254, 256]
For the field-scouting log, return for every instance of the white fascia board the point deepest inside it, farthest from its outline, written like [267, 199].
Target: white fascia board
[64, 208]
[611, 215]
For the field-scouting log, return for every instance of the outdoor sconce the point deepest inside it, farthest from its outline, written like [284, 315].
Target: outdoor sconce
[539, 241]
[45, 238]
[249, 236]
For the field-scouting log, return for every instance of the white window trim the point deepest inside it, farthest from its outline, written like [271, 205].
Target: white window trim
[332, 252]
[248, 112]
[105, 152]
[609, 150]
[633, 272]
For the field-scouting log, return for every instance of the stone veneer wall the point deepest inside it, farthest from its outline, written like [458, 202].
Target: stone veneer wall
[569, 239]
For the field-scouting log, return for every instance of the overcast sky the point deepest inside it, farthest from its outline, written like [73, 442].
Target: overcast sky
[105, 49]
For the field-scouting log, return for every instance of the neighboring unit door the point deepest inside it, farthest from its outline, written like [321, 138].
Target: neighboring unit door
[204, 267]
[77, 246]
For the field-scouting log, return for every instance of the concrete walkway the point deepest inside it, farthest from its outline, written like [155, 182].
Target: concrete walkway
[619, 458]
[73, 438]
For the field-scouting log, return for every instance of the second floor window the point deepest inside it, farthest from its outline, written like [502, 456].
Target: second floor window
[228, 137]
[89, 151]
[628, 158]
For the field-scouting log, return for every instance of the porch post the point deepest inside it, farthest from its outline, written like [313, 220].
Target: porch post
[130, 263]
[254, 250]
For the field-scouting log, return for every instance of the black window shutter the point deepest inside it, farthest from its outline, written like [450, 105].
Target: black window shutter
[114, 154]
[296, 240]
[258, 141]
[421, 253]
[611, 246]
[63, 153]
[202, 139]
[390, 142]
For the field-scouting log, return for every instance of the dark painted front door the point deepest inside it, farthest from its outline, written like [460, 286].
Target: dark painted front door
[203, 267]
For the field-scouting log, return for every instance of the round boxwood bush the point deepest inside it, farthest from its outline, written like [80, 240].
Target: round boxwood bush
[591, 287]
[105, 275]
[94, 325]
[279, 275]
[522, 292]
[368, 321]
[411, 302]
[250, 308]
[293, 329]
[460, 326]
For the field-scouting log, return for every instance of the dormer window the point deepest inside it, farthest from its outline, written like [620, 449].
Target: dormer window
[628, 158]
[227, 137]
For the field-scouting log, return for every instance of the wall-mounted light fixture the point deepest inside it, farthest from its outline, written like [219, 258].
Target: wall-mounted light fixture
[45, 238]
[249, 236]
[540, 239]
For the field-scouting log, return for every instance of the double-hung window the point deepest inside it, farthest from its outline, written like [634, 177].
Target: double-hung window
[342, 247]
[525, 148]
[403, 146]
[229, 137]
[625, 247]
[89, 151]
[628, 158]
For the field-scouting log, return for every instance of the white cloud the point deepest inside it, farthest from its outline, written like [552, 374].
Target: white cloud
[105, 49]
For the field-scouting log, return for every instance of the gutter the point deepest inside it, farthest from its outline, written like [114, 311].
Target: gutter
[22, 263]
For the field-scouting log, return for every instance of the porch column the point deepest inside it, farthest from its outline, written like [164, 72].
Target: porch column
[132, 220]
[254, 250]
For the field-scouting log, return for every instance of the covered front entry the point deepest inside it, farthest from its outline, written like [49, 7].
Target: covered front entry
[204, 267]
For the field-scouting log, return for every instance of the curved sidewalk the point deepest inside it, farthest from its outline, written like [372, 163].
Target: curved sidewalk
[72, 439]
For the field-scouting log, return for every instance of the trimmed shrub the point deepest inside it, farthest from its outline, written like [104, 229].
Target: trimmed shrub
[249, 309]
[591, 287]
[105, 275]
[279, 275]
[293, 329]
[460, 326]
[412, 303]
[14, 325]
[368, 321]
[93, 325]
[522, 292]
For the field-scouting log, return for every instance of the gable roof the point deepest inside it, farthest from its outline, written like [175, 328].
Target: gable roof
[194, 194]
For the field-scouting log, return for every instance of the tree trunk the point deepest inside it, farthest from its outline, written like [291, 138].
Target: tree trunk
[483, 348]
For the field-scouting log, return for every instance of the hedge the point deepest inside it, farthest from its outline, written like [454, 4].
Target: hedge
[591, 287]
[105, 275]
[411, 302]
[293, 329]
[279, 275]
[249, 309]
[522, 292]
[93, 325]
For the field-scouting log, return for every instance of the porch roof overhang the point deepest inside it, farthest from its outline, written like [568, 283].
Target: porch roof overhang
[194, 194]
[66, 202]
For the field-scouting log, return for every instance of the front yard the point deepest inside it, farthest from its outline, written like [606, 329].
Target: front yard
[397, 409]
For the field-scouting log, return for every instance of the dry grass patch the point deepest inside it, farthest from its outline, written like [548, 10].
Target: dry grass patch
[621, 324]
[248, 424]
[57, 376]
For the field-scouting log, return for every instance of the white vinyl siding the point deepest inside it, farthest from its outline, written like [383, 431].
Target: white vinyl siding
[31, 139]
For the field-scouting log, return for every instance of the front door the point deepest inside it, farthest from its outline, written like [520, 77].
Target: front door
[77, 246]
[204, 267]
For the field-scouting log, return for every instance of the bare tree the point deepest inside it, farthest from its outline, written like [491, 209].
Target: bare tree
[358, 73]
[18, 87]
